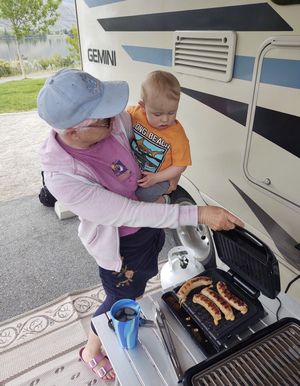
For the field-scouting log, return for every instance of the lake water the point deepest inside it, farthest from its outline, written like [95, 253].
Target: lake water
[34, 48]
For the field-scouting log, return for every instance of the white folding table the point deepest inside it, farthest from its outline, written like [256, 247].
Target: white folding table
[149, 364]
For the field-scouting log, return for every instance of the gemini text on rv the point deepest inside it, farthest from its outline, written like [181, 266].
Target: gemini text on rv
[102, 56]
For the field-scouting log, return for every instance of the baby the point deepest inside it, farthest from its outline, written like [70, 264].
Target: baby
[160, 144]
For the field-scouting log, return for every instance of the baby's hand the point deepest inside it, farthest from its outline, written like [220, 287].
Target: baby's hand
[172, 186]
[147, 180]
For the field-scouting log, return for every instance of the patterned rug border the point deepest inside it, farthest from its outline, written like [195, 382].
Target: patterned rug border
[48, 304]
[53, 316]
[56, 314]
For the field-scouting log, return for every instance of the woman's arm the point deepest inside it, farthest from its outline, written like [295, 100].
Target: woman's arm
[94, 203]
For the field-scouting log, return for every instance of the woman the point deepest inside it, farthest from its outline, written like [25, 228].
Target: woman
[89, 168]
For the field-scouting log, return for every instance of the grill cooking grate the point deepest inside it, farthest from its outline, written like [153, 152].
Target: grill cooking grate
[273, 360]
[220, 334]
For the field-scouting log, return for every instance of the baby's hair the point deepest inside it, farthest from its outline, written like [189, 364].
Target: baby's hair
[160, 83]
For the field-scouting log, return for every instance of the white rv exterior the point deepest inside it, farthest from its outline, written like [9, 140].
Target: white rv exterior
[238, 63]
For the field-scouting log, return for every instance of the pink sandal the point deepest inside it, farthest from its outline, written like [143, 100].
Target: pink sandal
[92, 364]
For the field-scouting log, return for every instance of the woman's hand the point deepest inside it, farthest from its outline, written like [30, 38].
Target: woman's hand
[217, 218]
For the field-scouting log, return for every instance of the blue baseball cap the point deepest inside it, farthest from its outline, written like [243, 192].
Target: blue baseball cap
[70, 96]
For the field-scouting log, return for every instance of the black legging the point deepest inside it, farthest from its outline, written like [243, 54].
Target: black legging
[140, 263]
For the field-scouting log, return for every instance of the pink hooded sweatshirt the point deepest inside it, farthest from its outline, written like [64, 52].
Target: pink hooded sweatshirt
[100, 211]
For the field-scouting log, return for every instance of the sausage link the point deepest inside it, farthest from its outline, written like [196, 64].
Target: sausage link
[209, 306]
[190, 284]
[233, 300]
[223, 305]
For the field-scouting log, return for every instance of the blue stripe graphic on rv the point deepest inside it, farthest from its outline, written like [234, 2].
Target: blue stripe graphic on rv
[248, 17]
[243, 67]
[98, 3]
[285, 243]
[280, 72]
[159, 56]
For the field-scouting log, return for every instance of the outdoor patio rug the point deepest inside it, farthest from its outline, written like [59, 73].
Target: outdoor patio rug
[41, 347]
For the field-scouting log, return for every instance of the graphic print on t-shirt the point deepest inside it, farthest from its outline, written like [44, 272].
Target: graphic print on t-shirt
[118, 167]
[148, 148]
[120, 170]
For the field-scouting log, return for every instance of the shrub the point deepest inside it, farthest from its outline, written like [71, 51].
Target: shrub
[60, 61]
[55, 61]
[44, 62]
[73, 42]
[49, 64]
[5, 69]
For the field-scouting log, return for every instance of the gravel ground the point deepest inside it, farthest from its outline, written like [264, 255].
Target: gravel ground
[21, 135]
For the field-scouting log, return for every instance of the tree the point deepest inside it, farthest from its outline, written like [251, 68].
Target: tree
[73, 41]
[29, 16]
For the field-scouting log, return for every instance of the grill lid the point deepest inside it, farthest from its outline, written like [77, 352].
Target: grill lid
[250, 259]
[269, 357]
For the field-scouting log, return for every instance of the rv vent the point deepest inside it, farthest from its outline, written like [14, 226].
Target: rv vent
[208, 54]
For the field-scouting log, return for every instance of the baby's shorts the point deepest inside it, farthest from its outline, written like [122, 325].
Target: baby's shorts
[152, 193]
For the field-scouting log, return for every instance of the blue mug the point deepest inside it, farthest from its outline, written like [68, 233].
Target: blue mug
[125, 316]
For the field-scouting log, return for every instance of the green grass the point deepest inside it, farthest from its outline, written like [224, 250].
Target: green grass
[19, 95]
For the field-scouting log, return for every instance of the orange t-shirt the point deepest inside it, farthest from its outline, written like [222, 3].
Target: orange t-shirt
[157, 149]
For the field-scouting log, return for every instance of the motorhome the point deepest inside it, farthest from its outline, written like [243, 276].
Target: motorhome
[238, 63]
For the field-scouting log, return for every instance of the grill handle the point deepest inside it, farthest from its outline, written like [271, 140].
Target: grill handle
[250, 236]
[246, 287]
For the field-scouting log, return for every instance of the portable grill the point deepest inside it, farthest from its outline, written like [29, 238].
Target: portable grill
[269, 357]
[253, 270]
